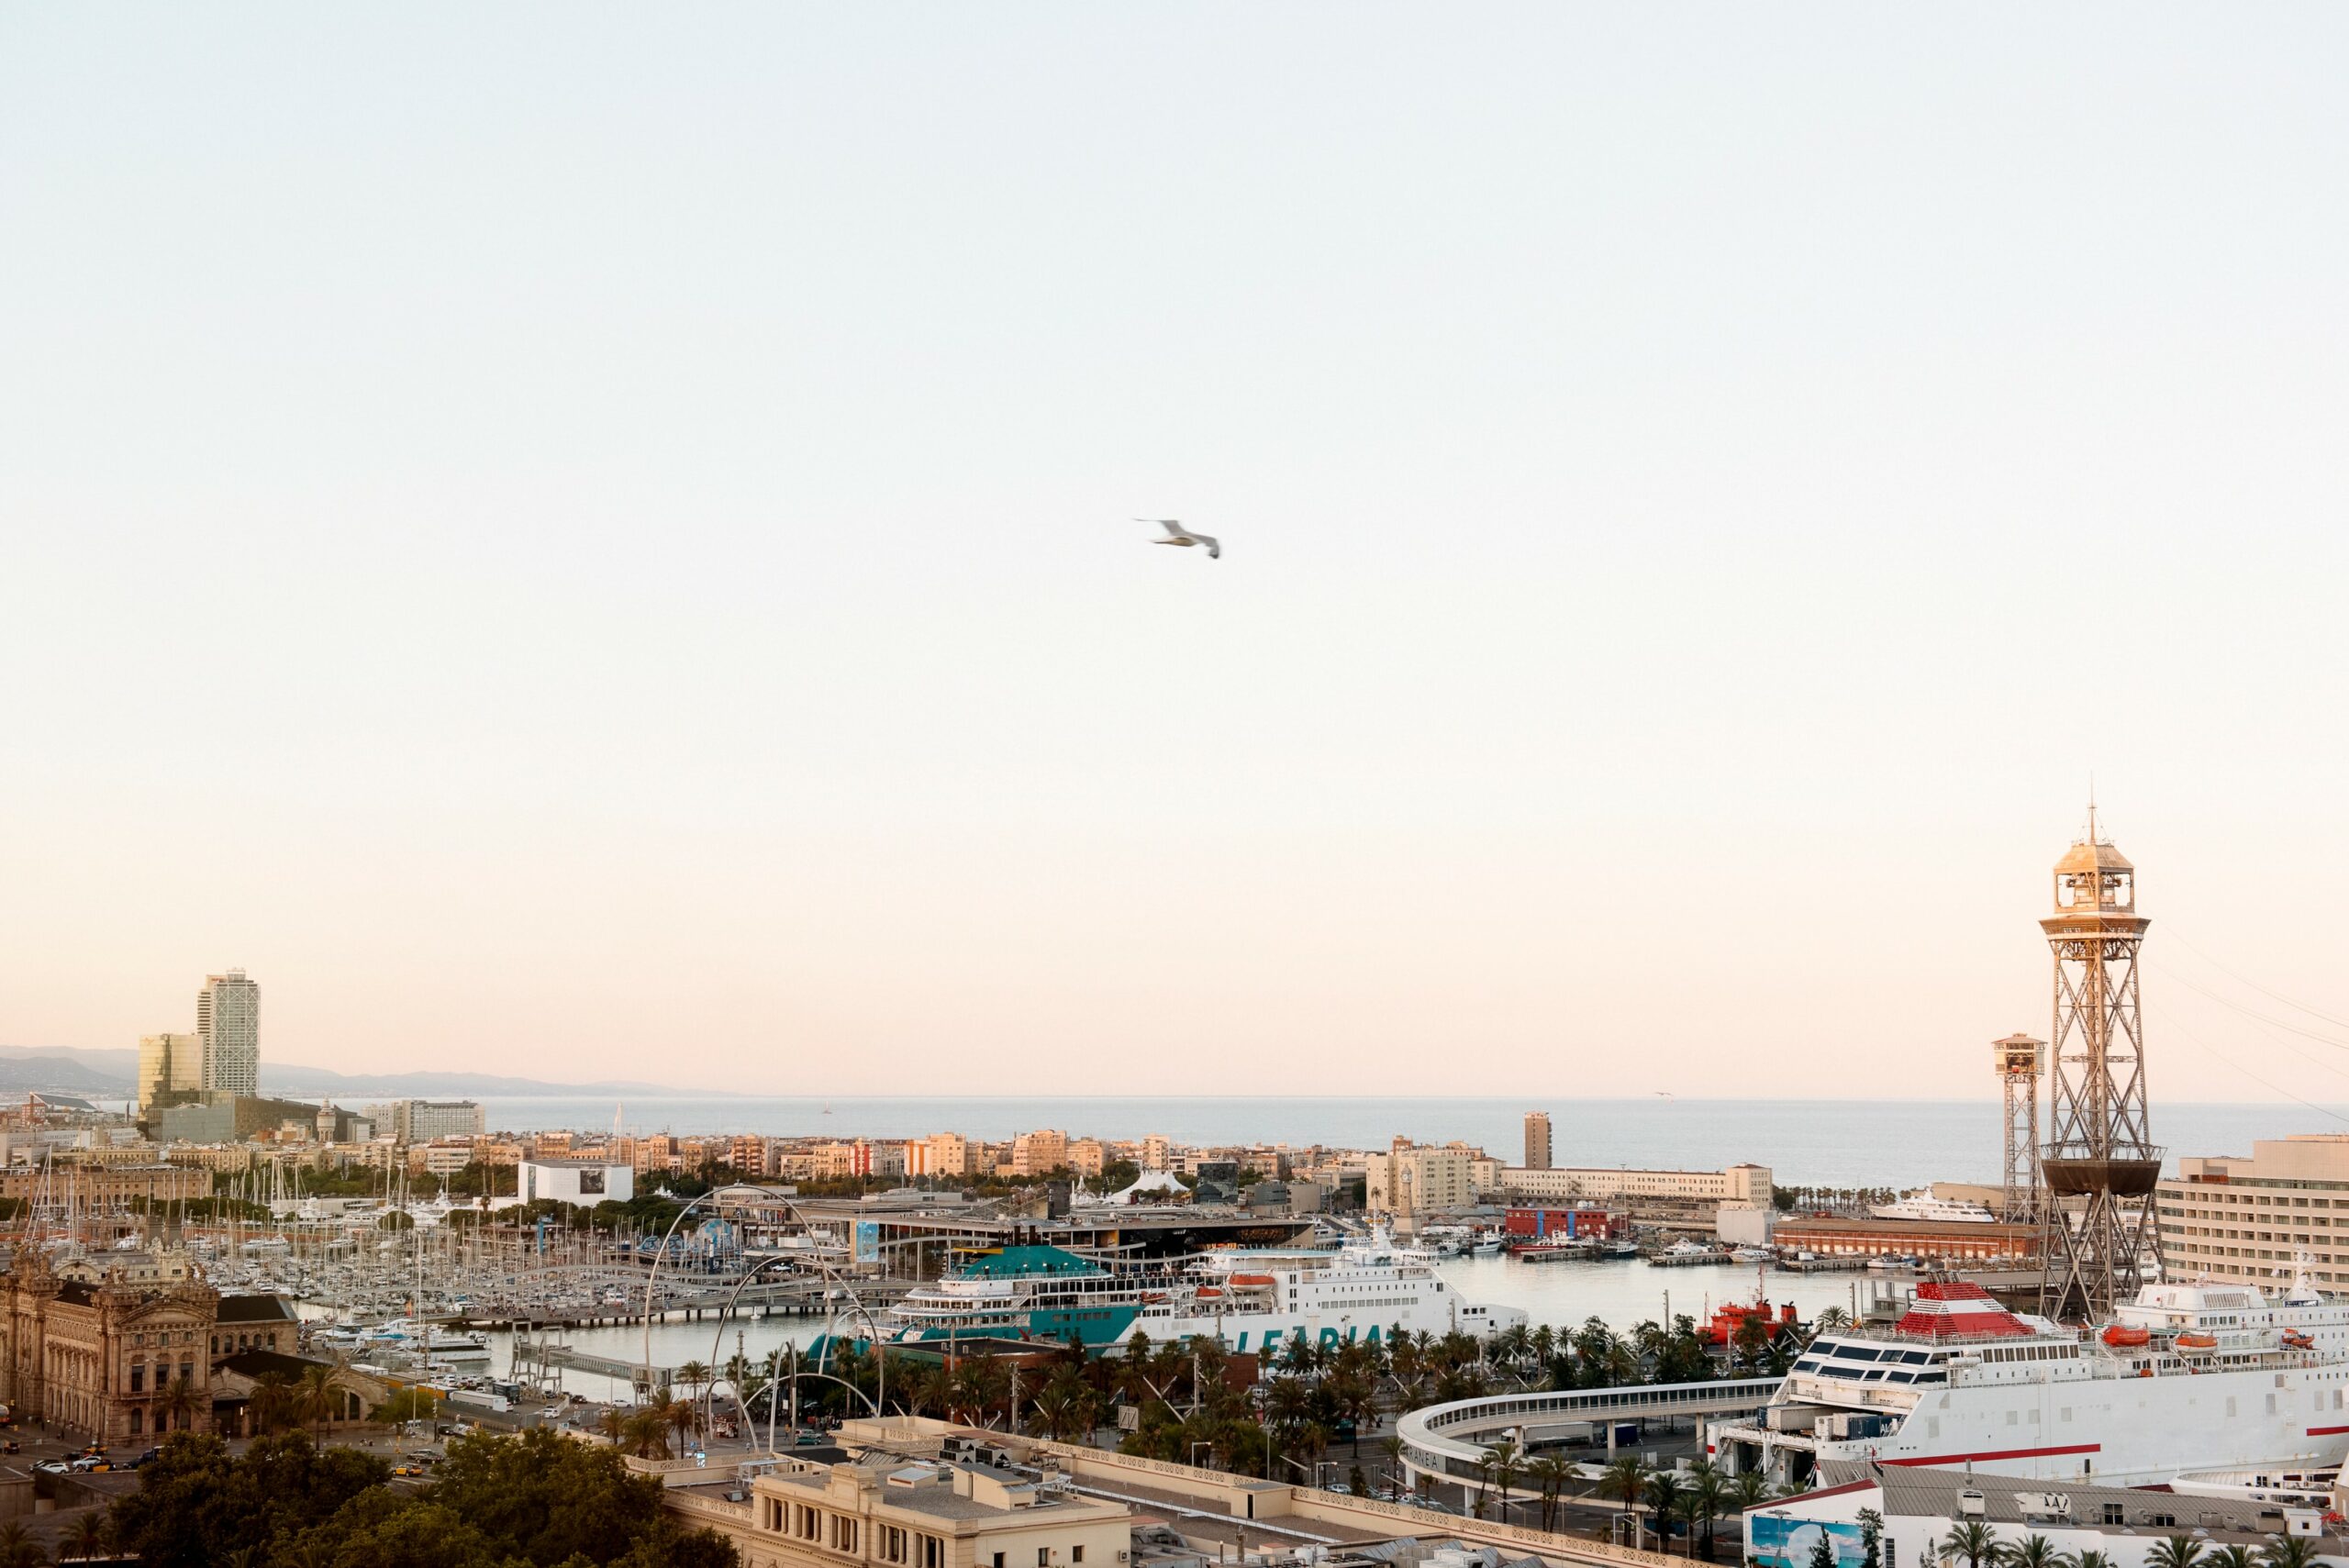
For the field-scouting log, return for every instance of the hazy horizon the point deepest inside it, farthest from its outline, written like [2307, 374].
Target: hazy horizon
[562, 541]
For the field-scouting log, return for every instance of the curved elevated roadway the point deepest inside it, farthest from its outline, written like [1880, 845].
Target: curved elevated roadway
[1444, 1441]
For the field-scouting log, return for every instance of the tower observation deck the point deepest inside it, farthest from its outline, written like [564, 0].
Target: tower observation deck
[2100, 1165]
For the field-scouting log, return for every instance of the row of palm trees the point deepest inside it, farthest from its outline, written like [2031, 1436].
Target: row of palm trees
[1977, 1545]
[1695, 1498]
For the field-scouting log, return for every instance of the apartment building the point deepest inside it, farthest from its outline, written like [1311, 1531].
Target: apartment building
[1736, 1184]
[1033, 1154]
[1411, 1179]
[1086, 1156]
[1157, 1153]
[1537, 1140]
[2226, 1218]
[941, 1154]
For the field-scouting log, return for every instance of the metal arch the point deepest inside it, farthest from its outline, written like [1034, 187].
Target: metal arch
[718, 1336]
[710, 1202]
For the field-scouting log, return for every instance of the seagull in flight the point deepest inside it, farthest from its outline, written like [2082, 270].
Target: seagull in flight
[1177, 534]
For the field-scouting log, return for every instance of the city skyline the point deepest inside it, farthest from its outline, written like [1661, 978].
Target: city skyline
[615, 555]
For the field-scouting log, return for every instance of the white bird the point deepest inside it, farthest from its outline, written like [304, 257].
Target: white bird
[1177, 534]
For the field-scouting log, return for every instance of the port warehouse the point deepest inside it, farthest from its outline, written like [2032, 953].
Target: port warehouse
[923, 1243]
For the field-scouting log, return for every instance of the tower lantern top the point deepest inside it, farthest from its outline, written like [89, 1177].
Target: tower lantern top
[2094, 877]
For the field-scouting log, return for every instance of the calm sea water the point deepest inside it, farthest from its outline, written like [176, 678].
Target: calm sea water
[1817, 1143]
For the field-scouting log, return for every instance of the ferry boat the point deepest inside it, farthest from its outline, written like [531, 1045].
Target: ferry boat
[1252, 1300]
[2187, 1377]
[1924, 1205]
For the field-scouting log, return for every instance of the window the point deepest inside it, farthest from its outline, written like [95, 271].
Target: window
[998, 1559]
[893, 1544]
[932, 1553]
[1043, 1557]
[1077, 1553]
[2114, 1513]
[137, 1378]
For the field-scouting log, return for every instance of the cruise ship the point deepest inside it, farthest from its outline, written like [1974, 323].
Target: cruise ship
[2186, 1377]
[1253, 1301]
[1924, 1205]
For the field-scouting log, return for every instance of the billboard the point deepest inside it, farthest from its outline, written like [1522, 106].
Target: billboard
[1775, 1541]
[868, 1240]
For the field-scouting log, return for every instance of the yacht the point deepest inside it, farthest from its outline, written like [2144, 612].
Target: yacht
[1252, 1300]
[1940, 1210]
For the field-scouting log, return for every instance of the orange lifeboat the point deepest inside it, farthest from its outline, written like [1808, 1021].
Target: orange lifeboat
[1209, 1292]
[2122, 1337]
[2296, 1340]
[2194, 1342]
[1252, 1279]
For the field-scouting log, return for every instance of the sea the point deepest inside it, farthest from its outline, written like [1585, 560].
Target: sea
[1822, 1144]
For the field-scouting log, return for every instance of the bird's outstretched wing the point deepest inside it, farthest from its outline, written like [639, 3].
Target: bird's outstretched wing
[1173, 526]
[1214, 550]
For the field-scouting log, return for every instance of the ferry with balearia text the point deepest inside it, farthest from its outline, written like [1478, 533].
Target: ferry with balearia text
[2186, 1377]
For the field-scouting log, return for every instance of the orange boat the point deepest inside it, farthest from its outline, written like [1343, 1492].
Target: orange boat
[2198, 1341]
[2296, 1340]
[2122, 1337]
[1252, 1279]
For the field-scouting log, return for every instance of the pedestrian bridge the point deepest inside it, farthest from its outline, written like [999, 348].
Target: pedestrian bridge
[1444, 1441]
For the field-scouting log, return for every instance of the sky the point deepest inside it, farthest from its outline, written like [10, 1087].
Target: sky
[593, 541]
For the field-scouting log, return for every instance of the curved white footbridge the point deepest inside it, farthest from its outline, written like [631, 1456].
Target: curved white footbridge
[1444, 1442]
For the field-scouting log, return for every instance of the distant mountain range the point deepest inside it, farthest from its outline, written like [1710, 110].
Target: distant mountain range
[114, 1072]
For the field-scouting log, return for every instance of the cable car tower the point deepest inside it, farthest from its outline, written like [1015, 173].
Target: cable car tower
[2100, 1165]
[2019, 1061]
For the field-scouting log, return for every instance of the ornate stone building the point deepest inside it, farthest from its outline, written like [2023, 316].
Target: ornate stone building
[106, 1358]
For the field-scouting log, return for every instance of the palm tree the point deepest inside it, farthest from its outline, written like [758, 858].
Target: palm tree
[1663, 1497]
[2174, 1551]
[1750, 1489]
[1689, 1509]
[90, 1537]
[1973, 1540]
[2225, 1557]
[1550, 1473]
[2091, 1558]
[1391, 1450]
[2032, 1552]
[2291, 1552]
[1707, 1486]
[1505, 1464]
[316, 1398]
[1626, 1478]
[180, 1403]
[18, 1550]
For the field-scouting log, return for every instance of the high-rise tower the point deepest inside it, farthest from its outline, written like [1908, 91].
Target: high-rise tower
[227, 1020]
[1537, 1140]
[2019, 1061]
[2100, 1165]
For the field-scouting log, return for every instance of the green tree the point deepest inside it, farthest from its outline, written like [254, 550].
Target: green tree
[18, 1550]
[2291, 1552]
[1550, 1473]
[2224, 1557]
[1662, 1495]
[1503, 1463]
[1822, 1551]
[2174, 1551]
[1973, 1541]
[414, 1404]
[1627, 1478]
[2032, 1552]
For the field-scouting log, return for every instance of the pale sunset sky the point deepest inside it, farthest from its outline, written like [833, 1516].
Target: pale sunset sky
[592, 541]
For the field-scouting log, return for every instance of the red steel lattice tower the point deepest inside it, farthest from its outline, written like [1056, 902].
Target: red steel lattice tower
[2100, 1165]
